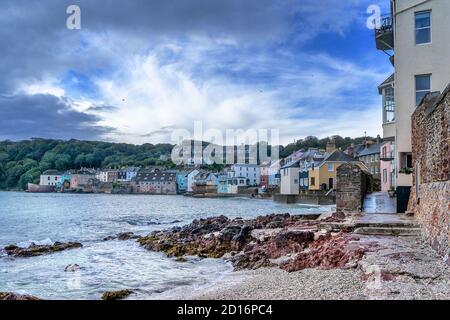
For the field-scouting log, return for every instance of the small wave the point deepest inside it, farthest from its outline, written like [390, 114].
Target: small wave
[28, 243]
[143, 222]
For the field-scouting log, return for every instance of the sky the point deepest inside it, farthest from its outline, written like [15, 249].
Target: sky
[139, 69]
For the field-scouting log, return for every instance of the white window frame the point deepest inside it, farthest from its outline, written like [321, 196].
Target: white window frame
[422, 91]
[330, 167]
[423, 28]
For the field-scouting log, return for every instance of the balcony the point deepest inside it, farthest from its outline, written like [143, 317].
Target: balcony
[384, 35]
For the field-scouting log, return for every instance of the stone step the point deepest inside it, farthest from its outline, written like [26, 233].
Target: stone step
[385, 224]
[388, 231]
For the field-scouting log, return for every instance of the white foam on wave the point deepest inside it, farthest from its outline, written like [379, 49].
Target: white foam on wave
[28, 243]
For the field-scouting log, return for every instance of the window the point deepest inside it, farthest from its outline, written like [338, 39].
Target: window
[330, 167]
[405, 160]
[389, 104]
[423, 27]
[385, 175]
[423, 86]
[313, 181]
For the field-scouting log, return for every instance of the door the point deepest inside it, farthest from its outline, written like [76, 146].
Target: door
[331, 183]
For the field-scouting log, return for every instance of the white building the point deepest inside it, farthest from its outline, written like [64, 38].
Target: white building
[251, 172]
[290, 175]
[50, 178]
[417, 33]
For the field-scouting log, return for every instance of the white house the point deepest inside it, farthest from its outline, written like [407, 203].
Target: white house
[416, 33]
[290, 175]
[251, 172]
[50, 178]
[191, 180]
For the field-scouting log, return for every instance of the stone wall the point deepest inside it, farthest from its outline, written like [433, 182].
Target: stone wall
[430, 138]
[352, 186]
[432, 211]
[430, 194]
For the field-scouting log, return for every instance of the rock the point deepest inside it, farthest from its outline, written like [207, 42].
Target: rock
[38, 250]
[122, 237]
[328, 253]
[251, 260]
[127, 236]
[11, 248]
[241, 239]
[116, 295]
[72, 268]
[14, 296]
[274, 225]
[181, 259]
[257, 239]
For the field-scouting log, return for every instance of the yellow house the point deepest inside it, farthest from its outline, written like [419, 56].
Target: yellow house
[323, 177]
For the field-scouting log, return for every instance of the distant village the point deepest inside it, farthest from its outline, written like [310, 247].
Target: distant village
[304, 172]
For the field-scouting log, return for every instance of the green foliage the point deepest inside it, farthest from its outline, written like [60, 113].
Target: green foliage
[23, 162]
[314, 142]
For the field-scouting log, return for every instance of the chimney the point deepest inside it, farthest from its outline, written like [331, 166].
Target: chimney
[331, 146]
[351, 150]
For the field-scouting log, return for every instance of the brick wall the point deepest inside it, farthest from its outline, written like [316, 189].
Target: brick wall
[430, 194]
[352, 185]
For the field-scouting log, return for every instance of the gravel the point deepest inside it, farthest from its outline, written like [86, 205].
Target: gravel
[276, 284]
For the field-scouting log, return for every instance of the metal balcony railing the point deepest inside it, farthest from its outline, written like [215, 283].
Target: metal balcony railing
[384, 34]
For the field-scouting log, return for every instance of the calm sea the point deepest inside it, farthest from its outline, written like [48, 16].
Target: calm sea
[111, 265]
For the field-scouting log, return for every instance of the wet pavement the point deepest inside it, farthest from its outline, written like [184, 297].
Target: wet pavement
[379, 202]
[384, 219]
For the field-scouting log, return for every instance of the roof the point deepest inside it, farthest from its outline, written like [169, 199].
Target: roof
[245, 165]
[204, 175]
[52, 173]
[373, 148]
[295, 164]
[339, 156]
[386, 82]
[357, 149]
[158, 176]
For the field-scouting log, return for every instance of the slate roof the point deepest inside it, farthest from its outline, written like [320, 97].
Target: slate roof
[339, 156]
[390, 79]
[159, 176]
[370, 149]
[52, 173]
[357, 150]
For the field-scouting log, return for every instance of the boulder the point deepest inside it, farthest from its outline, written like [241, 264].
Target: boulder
[72, 268]
[38, 250]
[15, 296]
[116, 295]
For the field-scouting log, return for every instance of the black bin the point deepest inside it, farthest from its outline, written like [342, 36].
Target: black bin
[402, 194]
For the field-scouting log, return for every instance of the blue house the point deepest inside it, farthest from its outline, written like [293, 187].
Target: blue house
[64, 181]
[182, 181]
[222, 184]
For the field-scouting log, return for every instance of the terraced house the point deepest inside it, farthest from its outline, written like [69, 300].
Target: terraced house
[155, 182]
[415, 36]
[323, 177]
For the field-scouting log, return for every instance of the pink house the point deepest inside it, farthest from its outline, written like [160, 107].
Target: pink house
[387, 166]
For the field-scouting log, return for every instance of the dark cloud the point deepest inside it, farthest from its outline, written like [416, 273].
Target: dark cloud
[163, 131]
[102, 108]
[46, 116]
[35, 42]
